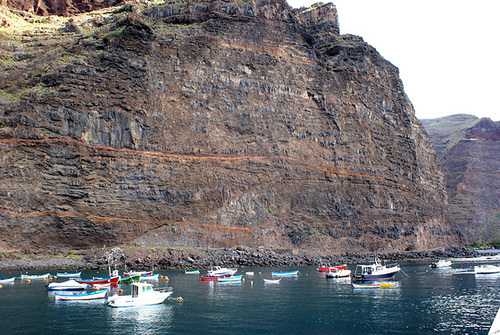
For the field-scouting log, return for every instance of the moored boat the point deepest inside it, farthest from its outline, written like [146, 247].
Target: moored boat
[440, 264]
[192, 272]
[31, 277]
[7, 280]
[99, 281]
[68, 275]
[329, 268]
[142, 294]
[271, 281]
[285, 273]
[370, 285]
[70, 285]
[339, 274]
[130, 279]
[486, 269]
[230, 279]
[209, 278]
[376, 271]
[218, 271]
[101, 294]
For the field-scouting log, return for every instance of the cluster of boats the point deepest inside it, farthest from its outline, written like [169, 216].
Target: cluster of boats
[77, 289]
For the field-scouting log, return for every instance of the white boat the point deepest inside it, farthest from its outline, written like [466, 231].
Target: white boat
[440, 264]
[101, 294]
[271, 281]
[68, 275]
[285, 273]
[31, 277]
[230, 279]
[192, 272]
[69, 285]
[376, 271]
[218, 272]
[339, 274]
[142, 294]
[486, 269]
[7, 280]
[249, 273]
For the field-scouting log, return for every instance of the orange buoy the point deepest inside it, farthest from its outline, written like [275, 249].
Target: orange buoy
[28, 281]
[0, 285]
[120, 291]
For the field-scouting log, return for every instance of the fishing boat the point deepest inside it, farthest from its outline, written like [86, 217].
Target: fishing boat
[7, 280]
[285, 273]
[101, 294]
[142, 294]
[339, 274]
[209, 278]
[135, 273]
[230, 279]
[440, 264]
[271, 281]
[192, 272]
[130, 279]
[329, 268]
[370, 285]
[68, 275]
[143, 275]
[70, 285]
[376, 271]
[486, 269]
[218, 271]
[31, 277]
[99, 281]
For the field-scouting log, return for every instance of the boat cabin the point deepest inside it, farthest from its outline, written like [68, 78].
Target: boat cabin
[141, 289]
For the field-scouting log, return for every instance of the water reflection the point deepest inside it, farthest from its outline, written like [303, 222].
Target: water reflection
[153, 319]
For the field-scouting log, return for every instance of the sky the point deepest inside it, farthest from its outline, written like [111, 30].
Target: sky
[447, 51]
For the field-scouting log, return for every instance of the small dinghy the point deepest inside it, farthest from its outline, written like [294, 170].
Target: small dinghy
[285, 273]
[69, 285]
[68, 275]
[101, 294]
[368, 286]
[7, 280]
[230, 279]
[339, 274]
[271, 281]
[32, 277]
[192, 272]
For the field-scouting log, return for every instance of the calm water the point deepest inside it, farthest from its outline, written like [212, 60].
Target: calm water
[426, 301]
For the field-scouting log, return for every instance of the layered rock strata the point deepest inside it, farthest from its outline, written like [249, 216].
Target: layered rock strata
[469, 149]
[211, 124]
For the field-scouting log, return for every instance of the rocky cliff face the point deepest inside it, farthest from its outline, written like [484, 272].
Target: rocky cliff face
[469, 149]
[210, 124]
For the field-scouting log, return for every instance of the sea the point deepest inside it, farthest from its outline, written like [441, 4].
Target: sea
[423, 301]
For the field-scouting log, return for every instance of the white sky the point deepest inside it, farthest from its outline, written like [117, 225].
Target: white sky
[447, 51]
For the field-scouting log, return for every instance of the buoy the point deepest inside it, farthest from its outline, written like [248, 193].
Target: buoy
[0, 285]
[43, 279]
[120, 291]
[181, 300]
[179, 274]
[28, 281]
[96, 288]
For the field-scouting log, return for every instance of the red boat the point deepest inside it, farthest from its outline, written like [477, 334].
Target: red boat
[213, 278]
[100, 281]
[328, 268]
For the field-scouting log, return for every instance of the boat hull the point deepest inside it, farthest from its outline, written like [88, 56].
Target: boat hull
[285, 274]
[128, 301]
[332, 268]
[80, 297]
[109, 280]
[69, 275]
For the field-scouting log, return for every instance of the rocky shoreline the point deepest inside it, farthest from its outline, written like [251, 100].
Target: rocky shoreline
[165, 258]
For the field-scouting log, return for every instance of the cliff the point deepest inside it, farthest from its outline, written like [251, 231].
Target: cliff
[469, 150]
[209, 123]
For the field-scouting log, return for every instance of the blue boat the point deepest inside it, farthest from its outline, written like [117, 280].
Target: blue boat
[285, 273]
[101, 294]
[376, 271]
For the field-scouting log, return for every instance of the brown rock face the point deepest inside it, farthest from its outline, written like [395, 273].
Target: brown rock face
[212, 124]
[469, 149]
[59, 7]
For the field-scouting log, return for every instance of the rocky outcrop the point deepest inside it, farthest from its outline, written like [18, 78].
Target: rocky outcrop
[211, 124]
[59, 7]
[468, 148]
